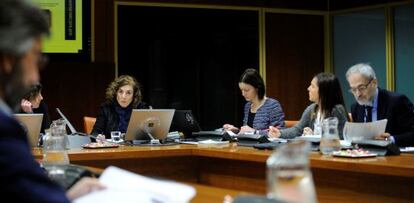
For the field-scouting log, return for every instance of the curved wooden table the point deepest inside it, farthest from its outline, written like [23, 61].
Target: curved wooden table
[378, 179]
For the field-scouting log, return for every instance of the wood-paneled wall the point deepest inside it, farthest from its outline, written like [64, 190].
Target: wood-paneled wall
[76, 88]
[294, 54]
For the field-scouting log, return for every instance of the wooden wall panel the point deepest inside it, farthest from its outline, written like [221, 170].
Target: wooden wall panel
[294, 54]
[104, 31]
[76, 88]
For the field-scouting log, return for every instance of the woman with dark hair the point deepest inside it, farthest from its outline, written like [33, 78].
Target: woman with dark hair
[326, 94]
[260, 111]
[32, 102]
[122, 95]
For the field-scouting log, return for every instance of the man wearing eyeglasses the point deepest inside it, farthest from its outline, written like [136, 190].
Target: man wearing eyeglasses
[22, 180]
[374, 103]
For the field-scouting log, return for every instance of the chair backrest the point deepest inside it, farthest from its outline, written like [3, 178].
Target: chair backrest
[88, 123]
[290, 123]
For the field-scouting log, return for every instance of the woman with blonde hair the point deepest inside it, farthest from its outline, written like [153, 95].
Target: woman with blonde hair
[122, 95]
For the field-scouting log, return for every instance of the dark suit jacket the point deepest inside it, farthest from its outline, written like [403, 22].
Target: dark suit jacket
[399, 111]
[108, 120]
[22, 179]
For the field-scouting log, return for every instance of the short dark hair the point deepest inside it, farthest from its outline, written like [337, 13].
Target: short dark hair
[330, 92]
[34, 90]
[20, 23]
[252, 77]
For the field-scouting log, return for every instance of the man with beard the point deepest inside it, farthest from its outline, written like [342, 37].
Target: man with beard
[22, 179]
[374, 103]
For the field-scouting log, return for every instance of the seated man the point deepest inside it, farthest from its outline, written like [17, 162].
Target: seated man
[374, 104]
[22, 179]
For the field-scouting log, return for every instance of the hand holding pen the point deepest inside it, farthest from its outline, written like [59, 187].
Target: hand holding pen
[274, 131]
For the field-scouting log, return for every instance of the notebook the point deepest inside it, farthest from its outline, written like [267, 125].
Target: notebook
[76, 139]
[32, 123]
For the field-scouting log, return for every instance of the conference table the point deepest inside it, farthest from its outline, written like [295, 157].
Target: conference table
[234, 170]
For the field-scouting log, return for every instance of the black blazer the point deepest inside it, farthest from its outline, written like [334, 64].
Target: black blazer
[108, 120]
[399, 111]
[22, 179]
[44, 110]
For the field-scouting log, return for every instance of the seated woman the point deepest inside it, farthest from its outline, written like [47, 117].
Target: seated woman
[122, 95]
[326, 94]
[32, 102]
[260, 111]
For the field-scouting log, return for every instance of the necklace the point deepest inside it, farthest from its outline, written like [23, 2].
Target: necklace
[254, 108]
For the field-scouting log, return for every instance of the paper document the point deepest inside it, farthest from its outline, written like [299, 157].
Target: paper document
[407, 149]
[124, 186]
[276, 139]
[363, 131]
[209, 142]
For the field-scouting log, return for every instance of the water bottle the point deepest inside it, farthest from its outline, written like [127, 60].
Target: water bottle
[330, 137]
[55, 144]
[288, 176]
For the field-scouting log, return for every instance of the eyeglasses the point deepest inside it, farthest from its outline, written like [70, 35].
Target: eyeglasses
[361, 88]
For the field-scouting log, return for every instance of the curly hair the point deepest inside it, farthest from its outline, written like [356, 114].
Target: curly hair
[33, 91]
[123, 80]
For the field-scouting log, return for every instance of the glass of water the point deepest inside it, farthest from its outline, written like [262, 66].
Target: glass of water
[116, 136]
[330, 137]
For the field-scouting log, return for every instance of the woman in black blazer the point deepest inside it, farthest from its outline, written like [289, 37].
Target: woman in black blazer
[122, 95]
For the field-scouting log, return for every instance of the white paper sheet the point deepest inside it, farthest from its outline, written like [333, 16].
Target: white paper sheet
[124, 186]
[363, 131]
[206, 142]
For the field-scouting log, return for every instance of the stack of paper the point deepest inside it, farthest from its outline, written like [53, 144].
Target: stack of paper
[206, 142]
[123, 186]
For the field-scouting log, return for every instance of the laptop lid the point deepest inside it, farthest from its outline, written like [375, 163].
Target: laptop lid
[157, 122]
[71, 128]
[184, 121]
[32, 123]
[77, 139]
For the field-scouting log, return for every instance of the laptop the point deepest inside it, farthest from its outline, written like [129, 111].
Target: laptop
[149, 124]
[32, 123]
[76, 139]
[184, 121]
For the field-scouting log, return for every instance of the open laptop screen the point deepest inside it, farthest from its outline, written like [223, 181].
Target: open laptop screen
[32, 123]
[156, 122]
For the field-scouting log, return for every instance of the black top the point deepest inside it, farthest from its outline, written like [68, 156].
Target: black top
[108, 118]
[250, 119]
[44, 110]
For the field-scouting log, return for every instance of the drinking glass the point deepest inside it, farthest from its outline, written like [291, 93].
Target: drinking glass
[116, 136]
[288, 175]
[330, 136]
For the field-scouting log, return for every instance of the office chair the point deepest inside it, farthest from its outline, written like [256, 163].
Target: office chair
[88, 123]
